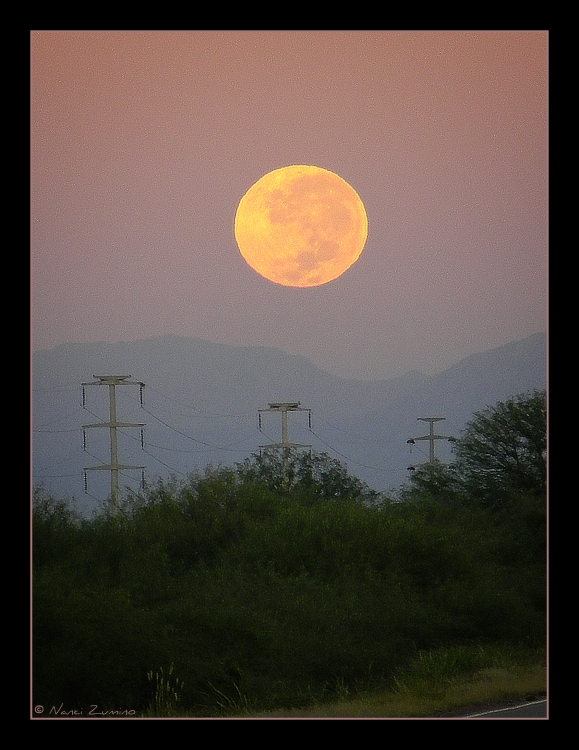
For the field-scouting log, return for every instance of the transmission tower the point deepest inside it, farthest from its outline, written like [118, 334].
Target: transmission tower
[113, 424]
[432, 437]
[285, 407]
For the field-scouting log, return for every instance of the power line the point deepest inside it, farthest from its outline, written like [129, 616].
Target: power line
[197, 410]
[55, 432]
[116, 428]
[353, 461]
[184, 434]
[57, 463]
[40, 428]
[166, 465]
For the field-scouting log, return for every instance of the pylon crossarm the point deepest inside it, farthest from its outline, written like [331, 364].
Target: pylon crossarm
[286, 446]
[108, 467]
[113, 424]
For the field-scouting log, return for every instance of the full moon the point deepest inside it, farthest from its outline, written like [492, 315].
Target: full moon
[301, 226]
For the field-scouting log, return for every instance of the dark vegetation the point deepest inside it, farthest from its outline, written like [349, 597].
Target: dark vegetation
[285, 581]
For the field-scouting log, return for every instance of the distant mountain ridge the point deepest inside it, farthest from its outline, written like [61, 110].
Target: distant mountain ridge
[202, 400]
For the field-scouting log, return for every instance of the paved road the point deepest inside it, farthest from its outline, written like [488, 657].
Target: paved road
[533, 710]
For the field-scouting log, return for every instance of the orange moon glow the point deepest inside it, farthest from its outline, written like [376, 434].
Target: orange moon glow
[301, 226]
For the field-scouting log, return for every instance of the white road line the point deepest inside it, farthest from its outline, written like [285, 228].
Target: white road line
[510, 708]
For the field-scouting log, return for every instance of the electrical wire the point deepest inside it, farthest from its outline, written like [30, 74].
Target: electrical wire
[57, 463]
[196, 409]
[184, 434]
[357, 437]
[55, 432]
[53, 388]
[166, 465]
[207, 446]
[347, 458]
[380, 469]
[40, 427]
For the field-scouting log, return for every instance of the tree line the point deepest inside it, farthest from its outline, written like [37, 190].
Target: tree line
[284, 580]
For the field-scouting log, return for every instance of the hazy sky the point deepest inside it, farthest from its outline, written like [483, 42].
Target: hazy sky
[143, 143]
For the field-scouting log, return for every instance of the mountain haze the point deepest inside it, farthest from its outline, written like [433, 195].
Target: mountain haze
[201, 403]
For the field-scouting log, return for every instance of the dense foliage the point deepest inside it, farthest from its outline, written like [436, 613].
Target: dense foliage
[503, 450]
[501, 455]
[275, 583]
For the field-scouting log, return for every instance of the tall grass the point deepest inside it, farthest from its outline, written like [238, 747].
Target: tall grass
[166, 696]
[431, 673]
[443, 682]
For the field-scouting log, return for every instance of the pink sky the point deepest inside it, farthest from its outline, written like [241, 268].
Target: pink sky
[143, 143]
